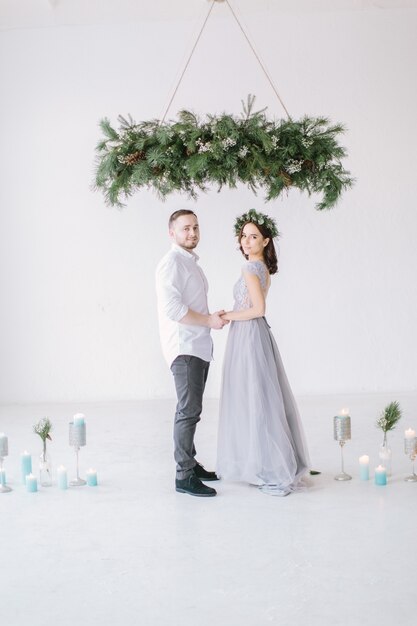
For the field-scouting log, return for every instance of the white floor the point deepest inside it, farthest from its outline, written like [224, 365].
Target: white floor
[134, 552]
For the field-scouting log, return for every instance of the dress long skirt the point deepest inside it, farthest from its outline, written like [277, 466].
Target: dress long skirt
[261, 439]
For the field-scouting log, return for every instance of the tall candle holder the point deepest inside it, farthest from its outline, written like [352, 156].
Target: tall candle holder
[77, 439]
[342, 434]
[4, 451]
[410, 448]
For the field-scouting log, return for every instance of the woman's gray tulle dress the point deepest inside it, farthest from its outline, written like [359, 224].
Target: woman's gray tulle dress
[261, 439]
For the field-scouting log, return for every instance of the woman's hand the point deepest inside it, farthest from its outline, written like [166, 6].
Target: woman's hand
[217, 321]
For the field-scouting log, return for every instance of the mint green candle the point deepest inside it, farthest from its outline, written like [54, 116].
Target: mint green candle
[62, 477]
[79, 419]
[380, 475]
[31, 483]
[26, 465]
[364, 467]
[92, 478]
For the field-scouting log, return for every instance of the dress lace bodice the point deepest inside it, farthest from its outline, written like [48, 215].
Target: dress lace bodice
[240, 290]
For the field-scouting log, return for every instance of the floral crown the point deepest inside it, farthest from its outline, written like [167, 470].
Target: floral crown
[256, 218]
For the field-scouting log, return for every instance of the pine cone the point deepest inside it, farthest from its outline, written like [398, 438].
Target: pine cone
[309, 165]
[131, 159]
[286, 178]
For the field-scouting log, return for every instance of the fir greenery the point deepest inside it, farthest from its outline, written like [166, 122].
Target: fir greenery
[43, 428]
[389, 417]
[188, 155]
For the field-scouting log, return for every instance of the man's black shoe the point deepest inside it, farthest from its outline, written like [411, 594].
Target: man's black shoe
[193, 486]
[203, 474]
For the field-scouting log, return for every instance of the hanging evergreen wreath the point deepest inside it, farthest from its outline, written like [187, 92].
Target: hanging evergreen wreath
[188, 155]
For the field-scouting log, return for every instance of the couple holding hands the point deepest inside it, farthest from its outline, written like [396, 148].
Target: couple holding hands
[260, 438]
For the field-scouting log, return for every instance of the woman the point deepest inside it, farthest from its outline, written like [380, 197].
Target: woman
[261, 439]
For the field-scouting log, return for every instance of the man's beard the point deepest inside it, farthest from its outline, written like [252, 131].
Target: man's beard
[190, 244]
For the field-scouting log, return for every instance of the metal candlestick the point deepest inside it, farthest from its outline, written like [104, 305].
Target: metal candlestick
[3, 487]
[77, 439]
[4, 451]
[410, 448]
[341, 431]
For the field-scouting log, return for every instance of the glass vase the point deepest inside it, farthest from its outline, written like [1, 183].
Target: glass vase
[45, 468]
[385, 455]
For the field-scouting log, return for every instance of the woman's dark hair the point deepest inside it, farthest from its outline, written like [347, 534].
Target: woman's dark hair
[270, 255]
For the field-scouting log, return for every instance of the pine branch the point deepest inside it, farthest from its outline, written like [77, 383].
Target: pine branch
[389, 417]
[187, 155]
[108, 130]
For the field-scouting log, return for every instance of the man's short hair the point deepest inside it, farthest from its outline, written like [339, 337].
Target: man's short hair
[178, 214]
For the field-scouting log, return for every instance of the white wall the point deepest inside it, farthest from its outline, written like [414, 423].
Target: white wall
[77, 320]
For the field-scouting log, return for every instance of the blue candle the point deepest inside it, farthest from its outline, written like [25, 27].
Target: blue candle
[92, 478]
[62, 477]
[364, 467]
[26, 465]
[31, 483]
[380, 475]
[79, 419]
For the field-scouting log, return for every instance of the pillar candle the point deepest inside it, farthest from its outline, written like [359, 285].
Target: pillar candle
[31, 483]
[4, 445]
[79, 419]
[92, 478]
[62, 477]
[380, 475]
[410, 433]
[26, 465]
[364, 467]
[3, 477]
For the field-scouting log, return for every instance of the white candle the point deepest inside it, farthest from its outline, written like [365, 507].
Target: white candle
[343, 412]
[410, 433]
[4, 445]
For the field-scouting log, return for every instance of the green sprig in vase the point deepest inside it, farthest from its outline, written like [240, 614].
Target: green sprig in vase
[387, 422]
[43, 429]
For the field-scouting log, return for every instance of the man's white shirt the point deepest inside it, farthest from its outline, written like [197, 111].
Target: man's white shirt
[181, 285]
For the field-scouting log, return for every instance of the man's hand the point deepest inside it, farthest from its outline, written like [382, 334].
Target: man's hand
[215, 320]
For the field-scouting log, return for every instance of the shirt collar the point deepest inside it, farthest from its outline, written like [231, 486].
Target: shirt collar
[189, 254]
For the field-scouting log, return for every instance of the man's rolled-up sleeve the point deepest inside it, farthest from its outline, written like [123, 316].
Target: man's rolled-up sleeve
[169, 287]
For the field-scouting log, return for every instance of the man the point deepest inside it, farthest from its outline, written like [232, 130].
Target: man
[185, 324]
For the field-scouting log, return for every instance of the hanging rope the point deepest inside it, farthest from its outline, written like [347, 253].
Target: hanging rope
[250, 45]
[259, 60]
[188, 60]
